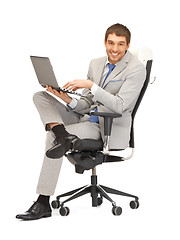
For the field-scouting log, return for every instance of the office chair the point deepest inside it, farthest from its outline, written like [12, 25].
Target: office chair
[91, 153]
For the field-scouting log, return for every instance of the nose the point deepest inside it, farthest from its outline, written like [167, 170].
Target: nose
[115, 48]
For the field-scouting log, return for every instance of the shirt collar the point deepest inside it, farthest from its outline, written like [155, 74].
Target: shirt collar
[107, 61]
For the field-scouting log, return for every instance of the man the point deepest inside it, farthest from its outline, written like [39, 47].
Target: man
[112, 85]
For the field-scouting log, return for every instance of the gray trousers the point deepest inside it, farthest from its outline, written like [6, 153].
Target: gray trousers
[53, 111]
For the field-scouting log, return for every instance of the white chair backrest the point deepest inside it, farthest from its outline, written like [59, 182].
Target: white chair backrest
[143, 54]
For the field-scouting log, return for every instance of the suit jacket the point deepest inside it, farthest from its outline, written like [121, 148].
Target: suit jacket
[119, 95]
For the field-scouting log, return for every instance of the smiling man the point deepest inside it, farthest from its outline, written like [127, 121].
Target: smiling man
[116, 47]
[113, 84]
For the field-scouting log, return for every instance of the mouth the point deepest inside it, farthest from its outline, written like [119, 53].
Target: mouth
[114, 54]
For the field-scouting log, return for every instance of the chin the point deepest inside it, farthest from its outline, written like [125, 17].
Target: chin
[113, 61]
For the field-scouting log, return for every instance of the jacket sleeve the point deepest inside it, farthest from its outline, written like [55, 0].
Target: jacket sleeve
[84, 103]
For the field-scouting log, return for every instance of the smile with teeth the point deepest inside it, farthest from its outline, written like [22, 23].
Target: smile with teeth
[115, 54]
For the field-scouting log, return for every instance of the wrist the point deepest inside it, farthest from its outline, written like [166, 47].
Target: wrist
[90, 84]
[68, 100]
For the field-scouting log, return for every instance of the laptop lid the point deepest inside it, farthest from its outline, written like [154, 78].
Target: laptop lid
[45, 74]
[44, 71]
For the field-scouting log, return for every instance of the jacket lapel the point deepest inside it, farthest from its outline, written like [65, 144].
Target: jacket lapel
[99, 70]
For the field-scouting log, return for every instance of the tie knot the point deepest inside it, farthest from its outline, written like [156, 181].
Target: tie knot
[111, 66]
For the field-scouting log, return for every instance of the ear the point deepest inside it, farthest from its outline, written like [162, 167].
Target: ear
[128, 46]
[105, 42]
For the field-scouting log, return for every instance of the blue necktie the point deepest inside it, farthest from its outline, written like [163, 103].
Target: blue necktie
[111, 67]
[92, 117]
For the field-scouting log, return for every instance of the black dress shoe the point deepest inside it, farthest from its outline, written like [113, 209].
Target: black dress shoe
[61, 146]
[36, 211]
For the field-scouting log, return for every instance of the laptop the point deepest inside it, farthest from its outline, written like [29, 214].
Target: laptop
[46, 76]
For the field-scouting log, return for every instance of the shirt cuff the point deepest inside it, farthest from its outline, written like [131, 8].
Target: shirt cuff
[73, 103]
[94, 88]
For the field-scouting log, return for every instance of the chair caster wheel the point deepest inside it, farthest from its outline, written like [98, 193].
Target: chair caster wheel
[116, 210]
[55, 204]
[100, 200]
[134, 204]
[64, 211]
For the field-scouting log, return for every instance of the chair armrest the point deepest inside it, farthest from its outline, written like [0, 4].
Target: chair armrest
[108, 118]
[105, 114]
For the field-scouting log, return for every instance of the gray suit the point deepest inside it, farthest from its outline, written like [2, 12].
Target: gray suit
[119, 94]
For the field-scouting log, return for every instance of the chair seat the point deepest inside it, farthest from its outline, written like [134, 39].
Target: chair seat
[89, 154]
[90, 145]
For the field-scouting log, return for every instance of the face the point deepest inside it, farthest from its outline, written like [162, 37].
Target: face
[116, 47]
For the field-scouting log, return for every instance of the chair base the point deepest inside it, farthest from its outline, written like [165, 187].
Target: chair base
[98, 192]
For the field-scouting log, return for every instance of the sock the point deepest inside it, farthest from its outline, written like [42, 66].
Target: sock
[60, 131]
[43, 200]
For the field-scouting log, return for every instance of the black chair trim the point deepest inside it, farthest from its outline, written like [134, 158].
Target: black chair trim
[86, 160]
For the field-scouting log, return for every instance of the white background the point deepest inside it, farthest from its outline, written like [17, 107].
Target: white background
[71, 33]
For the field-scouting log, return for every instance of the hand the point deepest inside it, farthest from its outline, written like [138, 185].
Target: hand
[77, 84]
[64, 96]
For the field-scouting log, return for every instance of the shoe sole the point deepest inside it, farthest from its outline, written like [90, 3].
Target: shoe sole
[46, 215]
[58, 151]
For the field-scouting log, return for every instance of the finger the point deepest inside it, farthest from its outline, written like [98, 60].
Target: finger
[50, 89]
[67, 85]
[71, 83]
[55, 91]
[73, 88]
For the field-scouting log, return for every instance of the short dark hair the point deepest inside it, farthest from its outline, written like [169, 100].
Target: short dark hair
[119, 30]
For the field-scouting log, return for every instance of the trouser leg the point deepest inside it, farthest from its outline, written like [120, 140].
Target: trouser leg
[51, 167]
[49, 172]
[51, 110]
